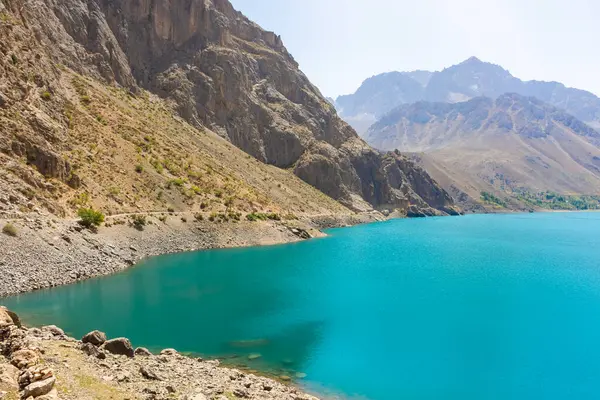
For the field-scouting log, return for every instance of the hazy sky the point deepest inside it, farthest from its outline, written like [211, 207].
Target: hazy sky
[339, 43]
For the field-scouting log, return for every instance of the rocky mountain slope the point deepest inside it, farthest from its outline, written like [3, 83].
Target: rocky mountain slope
[89, 97]
[511, 144]
[469, 79]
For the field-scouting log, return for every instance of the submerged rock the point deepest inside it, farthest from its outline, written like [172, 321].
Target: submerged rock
[119, 346]
[254, 356]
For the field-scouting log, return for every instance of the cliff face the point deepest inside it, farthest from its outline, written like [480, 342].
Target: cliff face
[221, 71]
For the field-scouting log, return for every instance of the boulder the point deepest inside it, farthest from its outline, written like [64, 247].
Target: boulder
[24, 358]
[52, 395]
[149, 373]
[142, 351]
[96, 338]
[5, 318]
[119, 346]
[39, 388]
[54, 330]
[93, 351]
[168, 352]
[8, 377]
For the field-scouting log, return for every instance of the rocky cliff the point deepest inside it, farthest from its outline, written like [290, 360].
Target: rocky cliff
[220, 72]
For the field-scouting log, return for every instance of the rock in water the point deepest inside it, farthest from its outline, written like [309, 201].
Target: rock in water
[96, 338]
[254, 356]
[39, 388]
[119, 346]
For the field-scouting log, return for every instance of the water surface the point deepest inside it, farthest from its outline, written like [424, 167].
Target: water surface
[470, 308]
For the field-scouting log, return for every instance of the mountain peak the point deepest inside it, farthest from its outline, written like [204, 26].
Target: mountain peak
[472, 60]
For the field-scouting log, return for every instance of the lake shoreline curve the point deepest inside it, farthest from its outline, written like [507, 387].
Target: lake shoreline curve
[47, 252]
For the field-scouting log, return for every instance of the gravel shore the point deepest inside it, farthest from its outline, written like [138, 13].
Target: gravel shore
[48, 252]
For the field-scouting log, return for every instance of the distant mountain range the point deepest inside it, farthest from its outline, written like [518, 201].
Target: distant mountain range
[469, 79]
[487, 137]
[511, 145]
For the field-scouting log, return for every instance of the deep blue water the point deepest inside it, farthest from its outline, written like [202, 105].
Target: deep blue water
[470, 308]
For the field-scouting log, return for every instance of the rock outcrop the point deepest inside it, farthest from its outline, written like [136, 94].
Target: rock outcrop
[221, 71]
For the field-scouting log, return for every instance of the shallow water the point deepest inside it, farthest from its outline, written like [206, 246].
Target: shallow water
[476, 307]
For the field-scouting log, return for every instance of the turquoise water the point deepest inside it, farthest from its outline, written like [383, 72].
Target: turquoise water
[476, 307]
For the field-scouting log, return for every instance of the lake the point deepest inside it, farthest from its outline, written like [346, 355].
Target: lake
[475, 307]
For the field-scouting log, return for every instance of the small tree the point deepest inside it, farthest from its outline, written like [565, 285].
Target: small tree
[90, 218]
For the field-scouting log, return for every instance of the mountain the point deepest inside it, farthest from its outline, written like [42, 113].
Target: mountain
[510, 145]
[459, 83]
[134, 105]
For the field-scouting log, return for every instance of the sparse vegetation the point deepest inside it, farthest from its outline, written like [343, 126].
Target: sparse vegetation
[199, 217]
[138, 221]
[90, 218]
[256, 216]
[555, 201]
[139, 168]
[491, 199]
[10, 230]
[46, 95]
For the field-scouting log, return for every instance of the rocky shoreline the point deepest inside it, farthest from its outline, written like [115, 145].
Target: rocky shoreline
[45, 364]
[48, 252]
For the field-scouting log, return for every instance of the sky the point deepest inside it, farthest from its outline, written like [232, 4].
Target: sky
[340, 43]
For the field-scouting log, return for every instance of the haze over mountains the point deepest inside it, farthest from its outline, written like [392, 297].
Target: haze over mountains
[476, 129]
[471, 78]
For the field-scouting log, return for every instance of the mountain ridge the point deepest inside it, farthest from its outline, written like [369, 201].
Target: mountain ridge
[507, 145]
[216, 69]
[461, 82]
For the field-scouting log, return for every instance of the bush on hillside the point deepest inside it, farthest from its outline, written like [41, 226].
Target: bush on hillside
[90, 217]
[10, 230]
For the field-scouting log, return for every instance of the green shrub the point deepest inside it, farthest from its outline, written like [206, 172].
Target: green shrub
[139, 168]
[90, 218]
[256, 216]
[46, 95]
[10, 230]
[199, 217]
[14, 59]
